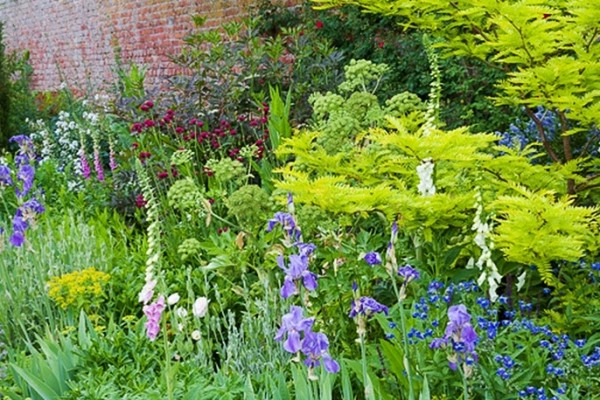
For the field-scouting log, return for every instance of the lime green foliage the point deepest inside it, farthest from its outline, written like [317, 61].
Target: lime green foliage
[541, 227]
[379, 174]
[250, 205]
[79, 288]
[549, 49]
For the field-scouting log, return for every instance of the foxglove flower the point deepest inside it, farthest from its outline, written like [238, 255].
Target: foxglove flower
[296, 270]
[147, 291]
[292, 324]
[425, 172]
[98, 165]
[153, 313]
[85, 166]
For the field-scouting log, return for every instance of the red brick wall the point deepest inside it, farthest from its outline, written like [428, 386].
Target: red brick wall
[77, 39]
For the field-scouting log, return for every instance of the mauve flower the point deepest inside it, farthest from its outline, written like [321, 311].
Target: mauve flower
[372, 258]
[98, 165]
[85, 166]
[153, 313]
[112, 162]
[292, 324]
[147, 291]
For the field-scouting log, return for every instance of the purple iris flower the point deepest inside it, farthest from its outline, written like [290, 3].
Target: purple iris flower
[296, 270]
[21, 140]
[5, 179]
[459, 334]
[408, 273]
[17, 238]
[372, 258]
[366, 306]
[292, 324]
[33, 205]
[287, 222]
[315, 346]
[25, 175]
[306, 249]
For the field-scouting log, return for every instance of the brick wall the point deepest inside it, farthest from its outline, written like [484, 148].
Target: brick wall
[76, 40]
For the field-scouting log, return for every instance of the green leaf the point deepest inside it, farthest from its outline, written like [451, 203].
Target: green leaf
[36, 384]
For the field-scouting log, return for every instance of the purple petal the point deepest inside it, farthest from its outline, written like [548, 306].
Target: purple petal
[17, 238]
[310, 281]
[330, 364]
[458, 314]
[292, 344]
[289, 288]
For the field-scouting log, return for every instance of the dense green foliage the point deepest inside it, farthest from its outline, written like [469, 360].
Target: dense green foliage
[292, 220]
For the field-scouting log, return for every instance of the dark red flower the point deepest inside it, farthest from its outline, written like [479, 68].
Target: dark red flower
[135, 145]
[144, 155]
[149, 123]
[319, 24]
[162, 175]
[137, 128]
[546, 16]
[380, 44]
[208, 172]
[179, 129]
[146, 106]
[140, 202]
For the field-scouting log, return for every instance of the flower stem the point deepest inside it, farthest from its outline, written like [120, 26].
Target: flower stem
[465, 387]
[369, 395]
[168, 371]
[411, 392]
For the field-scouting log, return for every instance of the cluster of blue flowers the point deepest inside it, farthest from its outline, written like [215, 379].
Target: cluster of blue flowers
[521, 133]
[22, 184]
[300, 337]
